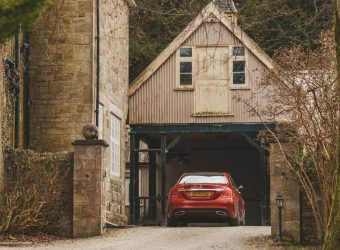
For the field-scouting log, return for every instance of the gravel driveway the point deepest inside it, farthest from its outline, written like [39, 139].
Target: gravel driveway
[197, 237]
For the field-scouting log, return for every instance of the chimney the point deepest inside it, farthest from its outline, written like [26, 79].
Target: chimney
[229, 8]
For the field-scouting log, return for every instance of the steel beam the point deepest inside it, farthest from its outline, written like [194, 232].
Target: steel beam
[163, 179]
[200, 128]
[152, 186]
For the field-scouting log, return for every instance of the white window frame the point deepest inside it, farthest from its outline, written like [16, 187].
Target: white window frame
[101, 122]
[180, 59]
[115, 142]
[231, 67]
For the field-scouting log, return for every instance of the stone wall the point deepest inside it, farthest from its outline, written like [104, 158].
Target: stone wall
[64, 81]
[309, 232]
[6, 51]
[284, 180]
[113, 96]
[62, 59]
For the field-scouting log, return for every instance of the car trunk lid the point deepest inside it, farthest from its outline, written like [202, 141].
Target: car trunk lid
[200, 191]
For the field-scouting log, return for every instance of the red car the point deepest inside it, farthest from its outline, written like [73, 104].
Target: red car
[205, 197]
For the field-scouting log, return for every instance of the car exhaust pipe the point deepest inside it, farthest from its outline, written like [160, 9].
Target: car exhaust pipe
[180, 213]
[221, 213]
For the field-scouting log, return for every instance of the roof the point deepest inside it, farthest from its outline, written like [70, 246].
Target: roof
[205, 173]
[227, 6]
[210, 9]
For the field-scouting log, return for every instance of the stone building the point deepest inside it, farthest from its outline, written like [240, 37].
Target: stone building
[61, 70]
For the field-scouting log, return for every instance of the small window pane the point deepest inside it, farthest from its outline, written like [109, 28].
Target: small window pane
[239, 78]
[186, 52]
[186, 79]
[101, 122]
[238, 51]
[186, 67]
[239, 66]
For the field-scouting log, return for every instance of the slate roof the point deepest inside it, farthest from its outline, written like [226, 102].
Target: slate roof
[226, 6]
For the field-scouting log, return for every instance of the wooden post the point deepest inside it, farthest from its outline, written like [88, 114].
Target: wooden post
[163, 179]
[136, 183]
[133, 169]
[152, 186]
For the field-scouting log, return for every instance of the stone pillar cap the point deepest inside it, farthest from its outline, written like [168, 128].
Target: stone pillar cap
[90, 143]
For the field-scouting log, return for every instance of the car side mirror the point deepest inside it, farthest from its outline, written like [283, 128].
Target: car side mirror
[240, 188]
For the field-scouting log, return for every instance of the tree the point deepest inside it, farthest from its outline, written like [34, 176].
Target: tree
[332, 240]
[271, 23]
[19, 12]
[301, 91]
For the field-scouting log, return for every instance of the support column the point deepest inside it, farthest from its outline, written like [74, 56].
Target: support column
[283, 180]
[163, 179]
[134, 183]
[89, 205]
[152, 186]
[265, 221]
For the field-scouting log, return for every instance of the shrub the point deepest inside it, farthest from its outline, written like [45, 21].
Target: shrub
[38, 193]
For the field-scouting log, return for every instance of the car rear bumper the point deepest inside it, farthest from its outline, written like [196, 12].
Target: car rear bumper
[201, 214]
[221, 209]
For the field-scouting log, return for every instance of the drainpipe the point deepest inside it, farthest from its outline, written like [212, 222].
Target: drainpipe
[98, 61]
[27, 93]
[17, 90]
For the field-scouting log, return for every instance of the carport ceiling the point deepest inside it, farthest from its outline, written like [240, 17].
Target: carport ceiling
[206, 141]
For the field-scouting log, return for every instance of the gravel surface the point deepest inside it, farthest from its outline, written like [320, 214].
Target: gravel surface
[191, 237]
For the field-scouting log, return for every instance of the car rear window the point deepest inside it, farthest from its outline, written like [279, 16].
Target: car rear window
[194, 179]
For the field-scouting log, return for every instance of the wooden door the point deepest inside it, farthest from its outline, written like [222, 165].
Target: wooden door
[212, 94]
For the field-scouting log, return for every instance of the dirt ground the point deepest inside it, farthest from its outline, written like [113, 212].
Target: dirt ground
[154, 238]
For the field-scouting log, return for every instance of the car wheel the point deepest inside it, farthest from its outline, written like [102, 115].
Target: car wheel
[235, 222]
[182, 223]
[171, 222]
[243, 221]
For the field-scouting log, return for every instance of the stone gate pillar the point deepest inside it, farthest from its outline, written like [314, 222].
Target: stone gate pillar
[89, 204]
[284, 180]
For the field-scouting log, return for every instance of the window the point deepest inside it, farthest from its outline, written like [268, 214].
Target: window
[185, 65]
[238, 64]
[239, 75]
[115, 145]
[238, 51]
[101, 122]
[194, 179]
[127, 191]
[233, 182]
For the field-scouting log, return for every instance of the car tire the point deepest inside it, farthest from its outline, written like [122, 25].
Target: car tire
[235, 222]
[243, 221]
[182, 223]
[171, 222]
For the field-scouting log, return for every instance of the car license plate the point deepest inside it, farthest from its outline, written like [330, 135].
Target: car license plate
[200, 194]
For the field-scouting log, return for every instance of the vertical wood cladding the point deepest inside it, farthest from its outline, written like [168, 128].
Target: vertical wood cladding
[157, 102]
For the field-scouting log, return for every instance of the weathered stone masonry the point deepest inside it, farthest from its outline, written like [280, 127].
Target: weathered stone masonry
[284, 180]
[61, 74]
[113, 95]
[89, 199]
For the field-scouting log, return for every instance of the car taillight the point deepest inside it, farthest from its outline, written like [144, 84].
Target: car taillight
[226, 194]
[175, 194]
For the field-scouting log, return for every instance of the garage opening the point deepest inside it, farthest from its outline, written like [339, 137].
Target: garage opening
[237, 153]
